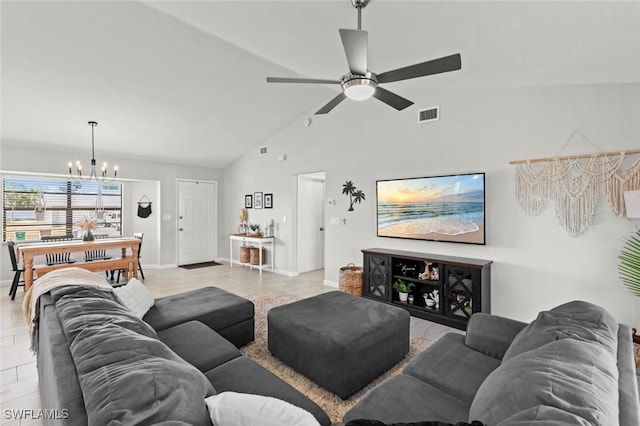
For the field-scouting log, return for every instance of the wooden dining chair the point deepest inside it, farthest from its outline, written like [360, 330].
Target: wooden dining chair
[140, 236]
[17, 271]
[58, 258]
[101, 254]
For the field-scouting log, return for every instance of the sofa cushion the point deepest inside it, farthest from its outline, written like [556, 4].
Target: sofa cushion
[246, 376]
[452, 366]
[491, 334]
[570, 375]
[199, 345]
[405, 398]
[212, 306]
[232, 408]
[126, 374]
[576, 320]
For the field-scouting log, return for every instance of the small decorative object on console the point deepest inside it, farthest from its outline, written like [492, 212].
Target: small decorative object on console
[426, 275]
[254, 230]
[403, 288]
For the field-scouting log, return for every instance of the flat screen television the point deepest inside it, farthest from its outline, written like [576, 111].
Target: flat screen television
[436, 208]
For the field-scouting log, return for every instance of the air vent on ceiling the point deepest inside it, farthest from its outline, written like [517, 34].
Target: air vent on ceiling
[429, 114]
[262, 151]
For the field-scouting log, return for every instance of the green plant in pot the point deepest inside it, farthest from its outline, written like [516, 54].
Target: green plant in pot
[629, 266]
[403, 288]
[255, 229]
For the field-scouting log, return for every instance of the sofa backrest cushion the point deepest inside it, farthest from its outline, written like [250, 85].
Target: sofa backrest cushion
[569, 364]
[576, 320]
[126, 374]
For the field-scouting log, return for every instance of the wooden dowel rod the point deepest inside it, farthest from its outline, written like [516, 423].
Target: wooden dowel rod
[576, 157]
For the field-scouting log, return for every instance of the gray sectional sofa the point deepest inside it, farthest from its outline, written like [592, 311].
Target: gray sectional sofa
[99, 364]
[573, 365]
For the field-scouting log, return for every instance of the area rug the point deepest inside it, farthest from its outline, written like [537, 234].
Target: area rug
[200, 265]
[331, 403]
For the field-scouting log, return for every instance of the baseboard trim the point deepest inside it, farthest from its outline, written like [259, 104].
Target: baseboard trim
[156, 266]
[275, 270]
[286, 273]
[331, 284]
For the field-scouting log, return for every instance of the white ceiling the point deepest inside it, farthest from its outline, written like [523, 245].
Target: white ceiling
[184, 81]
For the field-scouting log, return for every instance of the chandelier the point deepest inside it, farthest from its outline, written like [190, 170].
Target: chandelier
[94, 175]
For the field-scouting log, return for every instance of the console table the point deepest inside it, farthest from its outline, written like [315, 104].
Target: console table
[458, 286]
[260, 242]
[128, 262]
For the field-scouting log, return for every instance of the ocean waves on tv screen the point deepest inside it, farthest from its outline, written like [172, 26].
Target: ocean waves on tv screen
[449, 218]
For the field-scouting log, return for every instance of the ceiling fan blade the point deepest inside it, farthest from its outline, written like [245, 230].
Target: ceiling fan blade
[332, 103]
[300, 80]
[435, 66]
[391, 99]
[355, 44]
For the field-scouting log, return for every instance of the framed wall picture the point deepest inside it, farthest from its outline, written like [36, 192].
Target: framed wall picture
[268, 201]
[257, 200]
[248, 201]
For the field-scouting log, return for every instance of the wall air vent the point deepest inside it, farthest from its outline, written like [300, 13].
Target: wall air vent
[262, 151]
[429, 114]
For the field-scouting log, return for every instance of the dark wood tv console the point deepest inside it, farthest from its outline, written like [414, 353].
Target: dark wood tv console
[463, 285]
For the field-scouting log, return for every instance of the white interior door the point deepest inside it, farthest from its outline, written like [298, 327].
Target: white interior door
[196, 222]
[310, 222]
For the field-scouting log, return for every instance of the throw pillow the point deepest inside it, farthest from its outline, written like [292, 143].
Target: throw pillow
[135, 297]
[232, 408]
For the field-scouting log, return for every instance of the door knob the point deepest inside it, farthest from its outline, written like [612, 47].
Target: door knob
[180, 229]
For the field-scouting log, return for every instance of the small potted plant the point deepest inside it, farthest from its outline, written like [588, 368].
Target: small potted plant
[403, 288]
[255, 230]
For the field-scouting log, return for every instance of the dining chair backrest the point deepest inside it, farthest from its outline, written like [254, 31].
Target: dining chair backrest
[12, 255]
[140, 236]
[100, 254]
[57, 258]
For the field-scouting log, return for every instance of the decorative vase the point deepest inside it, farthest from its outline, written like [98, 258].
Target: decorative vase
[403, 296]
[88, 236]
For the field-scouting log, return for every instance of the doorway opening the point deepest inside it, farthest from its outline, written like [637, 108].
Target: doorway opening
[310, 220]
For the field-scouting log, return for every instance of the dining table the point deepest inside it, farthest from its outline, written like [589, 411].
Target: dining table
[128, 262]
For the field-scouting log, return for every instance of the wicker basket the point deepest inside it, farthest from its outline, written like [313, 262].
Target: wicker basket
[244, 254]
[351, 279]
[255, 256]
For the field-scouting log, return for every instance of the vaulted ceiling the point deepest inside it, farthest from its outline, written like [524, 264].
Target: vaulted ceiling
[184, 81]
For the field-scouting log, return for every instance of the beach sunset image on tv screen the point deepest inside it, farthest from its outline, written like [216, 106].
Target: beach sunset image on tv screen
[439, 208]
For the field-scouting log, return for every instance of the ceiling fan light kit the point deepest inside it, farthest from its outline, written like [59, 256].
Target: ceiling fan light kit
[360, 83]
[359, 87]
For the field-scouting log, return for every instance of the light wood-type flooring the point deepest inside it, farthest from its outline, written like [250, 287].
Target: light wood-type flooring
[19, 378]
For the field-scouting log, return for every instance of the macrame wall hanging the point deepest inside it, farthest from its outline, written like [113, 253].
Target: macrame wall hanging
[574, 184]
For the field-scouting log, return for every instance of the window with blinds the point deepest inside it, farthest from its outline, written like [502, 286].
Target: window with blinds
[65, 204]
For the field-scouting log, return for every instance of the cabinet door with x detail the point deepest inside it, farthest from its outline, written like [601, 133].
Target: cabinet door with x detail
[376, 277]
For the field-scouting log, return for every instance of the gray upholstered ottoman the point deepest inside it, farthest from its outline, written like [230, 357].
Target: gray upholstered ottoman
[340, 341]
[228, 314]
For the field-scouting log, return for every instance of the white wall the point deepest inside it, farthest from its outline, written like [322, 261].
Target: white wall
[15, 157]
[150, 226]
[536, 264]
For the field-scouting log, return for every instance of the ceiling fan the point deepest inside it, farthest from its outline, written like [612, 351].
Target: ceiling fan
[360, 83]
